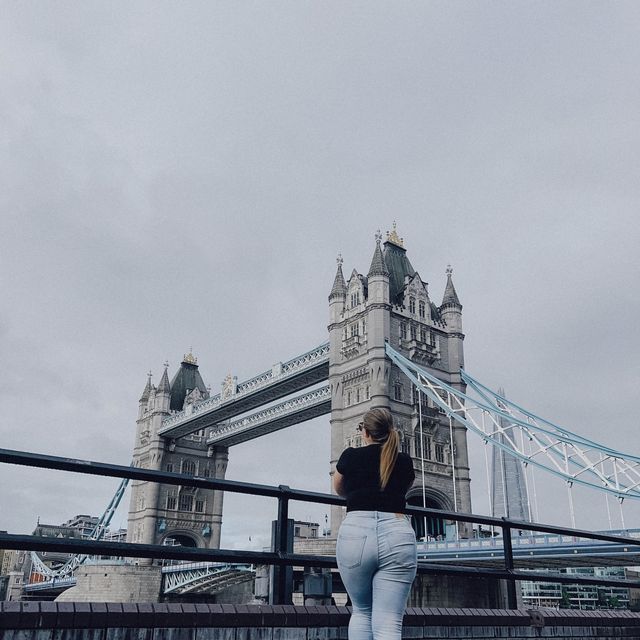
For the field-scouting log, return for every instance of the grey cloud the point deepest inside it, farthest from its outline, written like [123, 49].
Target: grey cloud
[177, 176]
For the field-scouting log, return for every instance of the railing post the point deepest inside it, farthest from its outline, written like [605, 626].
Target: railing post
[512, 598]
[283, 538]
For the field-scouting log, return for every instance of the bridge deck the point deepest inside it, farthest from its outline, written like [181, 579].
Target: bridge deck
[295, 375]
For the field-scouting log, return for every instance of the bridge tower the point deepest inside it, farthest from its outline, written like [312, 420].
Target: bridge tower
[392, 303]
[191, 517]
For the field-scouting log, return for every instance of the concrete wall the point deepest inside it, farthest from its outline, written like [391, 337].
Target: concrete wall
[115, 621]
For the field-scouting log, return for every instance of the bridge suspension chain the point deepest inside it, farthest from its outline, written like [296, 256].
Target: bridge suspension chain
[499, 421]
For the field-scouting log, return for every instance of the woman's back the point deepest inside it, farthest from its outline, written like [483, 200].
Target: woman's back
[361, 470]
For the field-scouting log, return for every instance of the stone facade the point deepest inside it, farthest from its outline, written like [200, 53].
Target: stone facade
[114, 583]
[169, 514]
[392, 304]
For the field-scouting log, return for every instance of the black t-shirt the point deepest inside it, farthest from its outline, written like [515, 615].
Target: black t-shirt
[361, 470]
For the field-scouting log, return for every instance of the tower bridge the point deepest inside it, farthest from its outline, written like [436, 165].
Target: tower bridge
[389, 345]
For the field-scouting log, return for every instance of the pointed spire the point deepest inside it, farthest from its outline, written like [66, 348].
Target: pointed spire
[339, 288]
[450, 297]
[164, 386]
[147, 390]
[378, 266]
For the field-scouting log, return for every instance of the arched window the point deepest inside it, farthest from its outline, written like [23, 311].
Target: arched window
[186, 502]
[421, 308]
[189, 467]
[412, 305]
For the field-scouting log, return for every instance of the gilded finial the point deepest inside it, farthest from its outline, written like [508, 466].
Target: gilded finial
[339, 260]
[394, 237]
[378, 236]
[189, 358]
[165, 364]
[449, 270]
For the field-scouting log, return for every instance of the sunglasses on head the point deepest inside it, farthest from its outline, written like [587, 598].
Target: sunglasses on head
[360, 426]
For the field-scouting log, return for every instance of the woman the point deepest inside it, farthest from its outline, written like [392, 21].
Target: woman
[376, 548]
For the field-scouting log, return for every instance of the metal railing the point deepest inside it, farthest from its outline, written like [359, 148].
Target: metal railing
[281, 557]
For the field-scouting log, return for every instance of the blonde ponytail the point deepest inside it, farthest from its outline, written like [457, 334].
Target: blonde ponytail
[388, 457]
[378, 423]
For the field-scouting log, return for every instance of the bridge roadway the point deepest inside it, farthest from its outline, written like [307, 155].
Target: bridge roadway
[534, 552]
[281, 380]
[529, 551]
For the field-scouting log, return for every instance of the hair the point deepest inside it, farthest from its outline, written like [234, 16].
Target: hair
[379, 426]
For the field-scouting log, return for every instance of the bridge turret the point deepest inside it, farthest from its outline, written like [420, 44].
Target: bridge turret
[144, 398]
[451, 313]
[378, 276]
[163, 392]
[338, 294]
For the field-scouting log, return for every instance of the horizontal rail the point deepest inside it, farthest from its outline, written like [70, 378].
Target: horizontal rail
[131, 550]
[90, 467]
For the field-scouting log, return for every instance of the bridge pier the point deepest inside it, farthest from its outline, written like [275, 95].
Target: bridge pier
[115, 583]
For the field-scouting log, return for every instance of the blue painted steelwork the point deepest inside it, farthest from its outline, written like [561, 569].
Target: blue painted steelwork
[67, 569]
[585, 461]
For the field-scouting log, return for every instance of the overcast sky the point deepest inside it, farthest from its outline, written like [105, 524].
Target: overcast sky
[185, 174]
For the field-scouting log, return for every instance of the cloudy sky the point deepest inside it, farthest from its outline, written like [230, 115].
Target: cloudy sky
[185, 174]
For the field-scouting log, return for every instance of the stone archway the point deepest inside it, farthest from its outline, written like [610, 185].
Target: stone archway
[428, 527]
[178, 538]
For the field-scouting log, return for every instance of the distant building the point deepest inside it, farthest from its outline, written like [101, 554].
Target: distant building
[578, 596]
[509, 496]
[305, 529]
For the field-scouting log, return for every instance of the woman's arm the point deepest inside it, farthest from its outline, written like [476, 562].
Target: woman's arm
[338, 483]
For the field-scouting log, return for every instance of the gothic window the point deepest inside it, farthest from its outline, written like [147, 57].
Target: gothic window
[170, 467]
[206, 473]
[199, 505]
[421, 308]
[423, 335]
[171, 500]
[412, 305]
[423, 441]
[403, 330]
[345, 334]
[354, 329]
[367, 392]
[358, 394]
[432, 339]
[189, 467]
[413, 332]
[439, 453]
[186, 502]
[348, 398]
[364, 326]
[427, 448]
[397, 391]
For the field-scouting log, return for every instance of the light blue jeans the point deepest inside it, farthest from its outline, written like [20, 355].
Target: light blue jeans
[376, 553]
